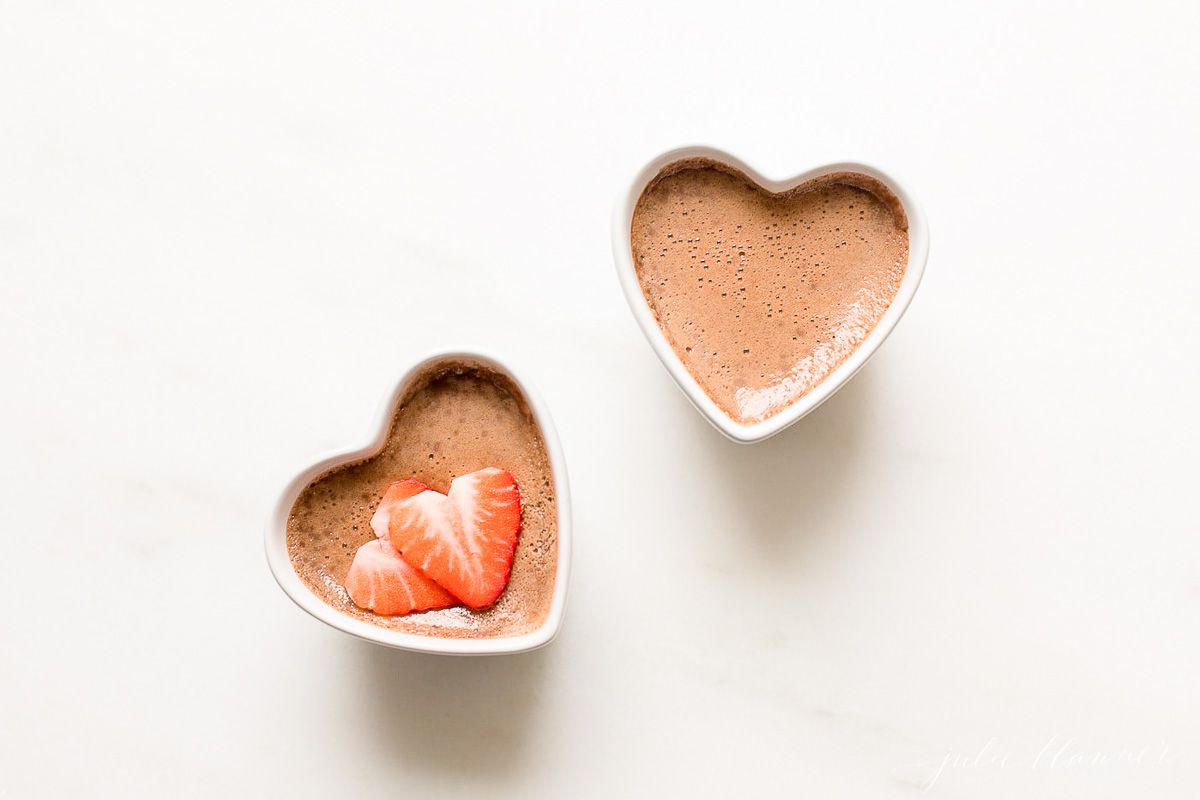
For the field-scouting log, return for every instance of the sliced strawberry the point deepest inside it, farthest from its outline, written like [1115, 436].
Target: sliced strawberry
[397, 491]
[464, 540]
[381, 581]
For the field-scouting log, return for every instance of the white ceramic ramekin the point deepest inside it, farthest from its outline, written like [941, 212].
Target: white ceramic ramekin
[290, 582]
[918, 251]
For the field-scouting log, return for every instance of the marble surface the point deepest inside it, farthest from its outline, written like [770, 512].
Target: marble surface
[225, 229]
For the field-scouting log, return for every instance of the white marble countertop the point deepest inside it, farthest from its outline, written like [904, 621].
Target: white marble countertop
[974, 573]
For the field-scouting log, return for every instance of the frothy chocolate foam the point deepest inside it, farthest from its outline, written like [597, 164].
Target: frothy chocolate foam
[762, 295]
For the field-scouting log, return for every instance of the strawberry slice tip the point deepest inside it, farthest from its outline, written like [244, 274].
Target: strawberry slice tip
[396, 493]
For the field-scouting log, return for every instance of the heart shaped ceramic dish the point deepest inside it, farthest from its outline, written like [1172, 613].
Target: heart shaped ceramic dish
[531, 617]
[796, 407]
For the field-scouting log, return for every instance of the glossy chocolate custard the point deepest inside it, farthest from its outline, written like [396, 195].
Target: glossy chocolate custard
[762, 295]
[457, 418]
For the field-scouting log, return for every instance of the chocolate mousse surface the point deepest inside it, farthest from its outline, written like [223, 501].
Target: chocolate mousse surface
[460, 416]
[762, 295]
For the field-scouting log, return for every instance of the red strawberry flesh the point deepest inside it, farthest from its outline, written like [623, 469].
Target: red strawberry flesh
[464, 539]
[381, 581]
[396, 493]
